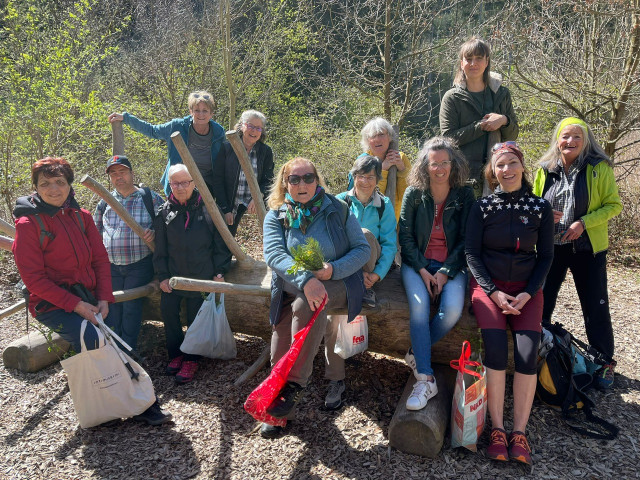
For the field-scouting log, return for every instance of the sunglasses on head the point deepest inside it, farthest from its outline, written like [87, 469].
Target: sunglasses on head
[197, 95]
[307, 178]
[510, 143]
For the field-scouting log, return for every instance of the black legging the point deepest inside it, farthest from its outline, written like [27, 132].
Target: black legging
[525, 349]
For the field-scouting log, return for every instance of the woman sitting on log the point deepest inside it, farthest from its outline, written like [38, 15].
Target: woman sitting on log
[232, 191]
[509, 253]
[202, 135]
[58, 246]
[376, 217]
[187, 245]
[301, 210]
[432, 232]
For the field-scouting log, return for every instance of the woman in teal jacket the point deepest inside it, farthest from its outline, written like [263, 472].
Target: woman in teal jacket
[577, 178]
[202, 135]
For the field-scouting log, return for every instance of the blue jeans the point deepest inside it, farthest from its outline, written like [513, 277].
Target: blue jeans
[125, 318]
[426, 330]
[67, 325]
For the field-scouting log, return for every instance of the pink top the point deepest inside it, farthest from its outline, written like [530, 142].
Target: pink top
[437, 246]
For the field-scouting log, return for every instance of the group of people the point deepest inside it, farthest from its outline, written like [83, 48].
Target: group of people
[465, 205]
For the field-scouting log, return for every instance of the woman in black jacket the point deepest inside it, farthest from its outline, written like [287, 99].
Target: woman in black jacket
[509, 253]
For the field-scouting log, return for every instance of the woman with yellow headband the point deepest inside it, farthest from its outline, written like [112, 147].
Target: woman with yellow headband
[576, 177]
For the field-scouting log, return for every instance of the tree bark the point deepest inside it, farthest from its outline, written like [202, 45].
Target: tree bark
[117, 138]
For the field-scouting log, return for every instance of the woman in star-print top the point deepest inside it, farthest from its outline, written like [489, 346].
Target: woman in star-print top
[509, 248]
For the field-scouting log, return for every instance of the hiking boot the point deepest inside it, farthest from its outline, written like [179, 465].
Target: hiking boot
[497, 449]
[270, 431]
[333, 400]
[604, 376]
[174, 365]
[519, 449]
[369, 298]
[187, 371]
[288, 397]
[154, 415]
[423, 390]
[411, 361]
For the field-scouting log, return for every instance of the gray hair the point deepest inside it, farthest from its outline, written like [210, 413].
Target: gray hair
[374, 127]
[178, 167]
[248, 115]
[590, 148]
[365, 164]
[419, 175]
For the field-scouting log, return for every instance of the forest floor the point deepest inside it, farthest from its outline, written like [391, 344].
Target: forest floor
[212, 437]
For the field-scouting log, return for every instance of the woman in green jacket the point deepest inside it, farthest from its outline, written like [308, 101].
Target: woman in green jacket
[576, 177]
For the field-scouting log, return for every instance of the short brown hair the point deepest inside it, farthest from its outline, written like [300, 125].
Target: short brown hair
[51, 167]
[201, 96]
[473, 47]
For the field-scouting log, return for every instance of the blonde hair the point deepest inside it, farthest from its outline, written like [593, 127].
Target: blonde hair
[201, 96]
[279, 187]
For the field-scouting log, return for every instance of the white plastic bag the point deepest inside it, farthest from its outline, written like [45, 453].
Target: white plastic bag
[353, 337]
[210, 335]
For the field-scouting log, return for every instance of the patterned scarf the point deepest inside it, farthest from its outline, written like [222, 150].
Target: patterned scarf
[192, 204]
[300, 215]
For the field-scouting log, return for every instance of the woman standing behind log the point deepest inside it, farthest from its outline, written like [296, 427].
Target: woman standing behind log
[477, 111]
[509, 254]
[58, 246]
[300, 210]
[202, 135]
[432, 232]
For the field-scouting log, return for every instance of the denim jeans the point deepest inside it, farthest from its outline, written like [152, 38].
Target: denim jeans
[67, 325]
[125, 318]
[426, 329]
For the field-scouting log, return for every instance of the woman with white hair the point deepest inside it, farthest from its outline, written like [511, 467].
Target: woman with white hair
[187, 245]
[230, 183]
[576, 177]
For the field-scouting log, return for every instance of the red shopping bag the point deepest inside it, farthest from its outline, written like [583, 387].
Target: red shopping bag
[469, 405]
[258, 400]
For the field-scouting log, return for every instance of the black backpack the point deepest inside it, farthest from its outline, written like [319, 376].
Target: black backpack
[562, 387]
[146, 198]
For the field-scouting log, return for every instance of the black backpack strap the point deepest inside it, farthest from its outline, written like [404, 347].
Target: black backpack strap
[44, 233]
[80, 220]
[148, 201]
[380, 209]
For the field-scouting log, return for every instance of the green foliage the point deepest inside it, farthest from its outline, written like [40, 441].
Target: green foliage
[47, 333]
[307, 256]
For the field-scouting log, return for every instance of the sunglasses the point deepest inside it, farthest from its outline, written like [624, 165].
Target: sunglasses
[197, 95]
[307, 178]
[500, 145]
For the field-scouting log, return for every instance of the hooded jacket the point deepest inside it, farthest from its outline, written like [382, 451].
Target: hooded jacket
[70, 254]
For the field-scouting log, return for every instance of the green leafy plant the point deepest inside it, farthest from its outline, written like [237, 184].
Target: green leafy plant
[53, 347]
[307, 256]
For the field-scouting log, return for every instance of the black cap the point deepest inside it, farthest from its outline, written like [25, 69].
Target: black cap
[118, 160]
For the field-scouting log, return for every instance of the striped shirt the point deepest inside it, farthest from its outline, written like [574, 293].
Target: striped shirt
[564, 198]
[123, 245]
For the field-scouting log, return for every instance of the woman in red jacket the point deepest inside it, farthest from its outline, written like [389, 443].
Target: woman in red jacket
[57, 245]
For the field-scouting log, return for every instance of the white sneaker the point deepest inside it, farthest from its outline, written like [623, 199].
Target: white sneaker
[423, 390]
[410, 360]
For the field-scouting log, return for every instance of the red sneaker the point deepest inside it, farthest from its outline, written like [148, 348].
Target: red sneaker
[519, 448]
[174, 365]
[497, 449]
[187, 371]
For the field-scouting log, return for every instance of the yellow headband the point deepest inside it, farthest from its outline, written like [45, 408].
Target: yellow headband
[571, 121]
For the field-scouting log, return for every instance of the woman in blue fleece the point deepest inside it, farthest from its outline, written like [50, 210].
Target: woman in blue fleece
[300, 209]
[202, 135]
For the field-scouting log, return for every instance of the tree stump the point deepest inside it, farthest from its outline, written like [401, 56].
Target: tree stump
[32, 353]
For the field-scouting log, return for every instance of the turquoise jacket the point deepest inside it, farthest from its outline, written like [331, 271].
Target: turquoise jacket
[601, 200]
[164, 131]
[383, 228]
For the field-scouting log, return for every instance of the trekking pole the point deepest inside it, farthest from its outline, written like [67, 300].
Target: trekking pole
[106, 331]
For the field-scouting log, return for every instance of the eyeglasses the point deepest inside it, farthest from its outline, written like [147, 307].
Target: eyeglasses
[307, 178]
[197, 95]
[435, 166]
[253, 127]
[184, 184]
[366, 178]
[500, 145]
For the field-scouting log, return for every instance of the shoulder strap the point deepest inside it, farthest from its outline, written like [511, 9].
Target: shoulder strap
[349, 202]
[102, 206]
[80, 220]
[342, 206]
[43, 231]
[148, 201]
[381, 210]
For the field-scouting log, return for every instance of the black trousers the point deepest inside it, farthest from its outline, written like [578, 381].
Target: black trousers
[170, 305]
[236, 221]
[590, 276]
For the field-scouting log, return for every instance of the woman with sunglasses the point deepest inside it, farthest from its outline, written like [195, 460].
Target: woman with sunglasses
[509, 255]
[187, 245]
[477, 111]
[301, 209]
[229, 182]
[578, 179]
[432, 231]
[200, 133]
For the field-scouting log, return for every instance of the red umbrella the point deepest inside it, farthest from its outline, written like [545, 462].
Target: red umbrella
[258, 400]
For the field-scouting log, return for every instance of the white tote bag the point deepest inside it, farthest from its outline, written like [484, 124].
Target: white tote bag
[210, 334]
[101, 387]
[353, 337]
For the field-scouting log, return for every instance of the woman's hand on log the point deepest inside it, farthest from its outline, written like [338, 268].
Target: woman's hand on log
[370, 279]
[392, 158]
[165, 287]
[503, 301]
[87, 311]
[218, 278]
[315, 292]
[115, 117]
[325, 272]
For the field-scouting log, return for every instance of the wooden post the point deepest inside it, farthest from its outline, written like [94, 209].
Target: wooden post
[255, 366]
[245, 163]
[95, 187]
[5, 243]
[392, 180]
[7, 228]
[117, 138]
[193, 285]
[209, 202]
[12, 309]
